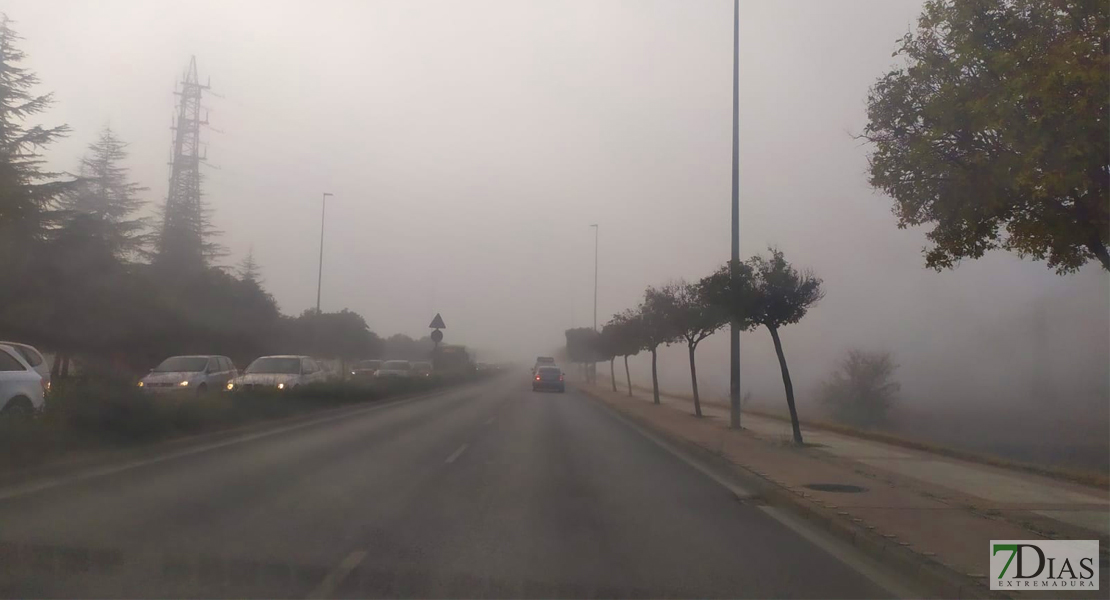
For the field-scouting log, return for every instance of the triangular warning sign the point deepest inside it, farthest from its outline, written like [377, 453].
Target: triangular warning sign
[437, 323]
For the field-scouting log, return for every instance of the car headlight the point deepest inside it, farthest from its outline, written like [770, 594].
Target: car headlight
[281, 386]
[352, 372]
[184, 383]
[141, 384]
[230, 386]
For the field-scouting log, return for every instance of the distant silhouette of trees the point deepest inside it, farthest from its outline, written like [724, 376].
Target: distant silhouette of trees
[995, 131]
[861, 391]
[101, 205]
[73, 276]
[249, 269]
[402, 347]
[582, 347]
[341, 335]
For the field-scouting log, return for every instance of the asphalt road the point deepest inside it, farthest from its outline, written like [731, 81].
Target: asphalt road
[489, 490]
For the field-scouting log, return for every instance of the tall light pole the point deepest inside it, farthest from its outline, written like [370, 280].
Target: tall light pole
[734, 271]
[320, 271]
[596, 228]
[593, 367]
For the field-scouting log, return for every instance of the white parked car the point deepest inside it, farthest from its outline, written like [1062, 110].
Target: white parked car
[21, 387]
[194, 374]
[395, 368]
[33, 358]
[280, 373]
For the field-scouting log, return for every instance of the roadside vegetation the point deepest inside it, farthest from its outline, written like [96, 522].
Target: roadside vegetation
[862, 391]
[765, 291]
[88, 414]
[86, 277]
[992, 133]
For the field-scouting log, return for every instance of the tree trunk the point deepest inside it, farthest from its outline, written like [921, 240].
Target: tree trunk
[627, 375]
[612, 373]
[56, 366]
[654, 378]
[789, 386]
[694, 381]
[1098, 248]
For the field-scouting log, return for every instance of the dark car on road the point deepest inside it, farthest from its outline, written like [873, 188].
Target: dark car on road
[549, 378]
[365, 369]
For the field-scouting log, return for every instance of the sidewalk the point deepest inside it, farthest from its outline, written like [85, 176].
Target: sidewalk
[941, 512]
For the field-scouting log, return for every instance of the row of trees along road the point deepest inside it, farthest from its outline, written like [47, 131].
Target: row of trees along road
[994, 132]
[79, 268]
[765, 291]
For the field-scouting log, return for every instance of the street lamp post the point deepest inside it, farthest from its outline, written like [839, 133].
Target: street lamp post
[596, 228]
[734, 264]
[593, 367]
[320, 270]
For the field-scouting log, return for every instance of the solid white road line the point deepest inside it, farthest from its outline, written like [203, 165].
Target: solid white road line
[327, 587]
[456, 454]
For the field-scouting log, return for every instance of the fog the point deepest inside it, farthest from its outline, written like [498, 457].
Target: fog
[469, 146]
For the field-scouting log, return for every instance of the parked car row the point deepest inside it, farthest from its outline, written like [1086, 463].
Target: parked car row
[25, 375]
[203, 373]
[391, 368]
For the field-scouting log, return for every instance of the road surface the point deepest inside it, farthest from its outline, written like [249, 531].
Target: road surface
[487, 490]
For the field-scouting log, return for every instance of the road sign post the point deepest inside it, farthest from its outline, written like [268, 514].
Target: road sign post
[437, 336]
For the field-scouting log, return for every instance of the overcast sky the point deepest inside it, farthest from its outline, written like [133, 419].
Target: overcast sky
[470, 145]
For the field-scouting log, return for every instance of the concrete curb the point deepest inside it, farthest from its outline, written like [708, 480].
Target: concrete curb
[942, 580]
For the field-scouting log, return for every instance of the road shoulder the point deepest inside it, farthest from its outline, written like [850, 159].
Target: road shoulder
[880, 521]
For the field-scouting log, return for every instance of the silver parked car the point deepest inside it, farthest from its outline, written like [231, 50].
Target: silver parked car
[21, 387]
[194, 374]
[33, 358]
[395, 368]
[279, 373]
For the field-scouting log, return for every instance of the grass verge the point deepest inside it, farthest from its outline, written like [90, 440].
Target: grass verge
[1082, 477]
[87, 415]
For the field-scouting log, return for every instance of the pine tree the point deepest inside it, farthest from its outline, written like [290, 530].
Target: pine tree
[104, 200]
[249, 269]
[26, 190]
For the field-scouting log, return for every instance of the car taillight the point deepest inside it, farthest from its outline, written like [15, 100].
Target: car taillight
[537, 377]
[560, 378]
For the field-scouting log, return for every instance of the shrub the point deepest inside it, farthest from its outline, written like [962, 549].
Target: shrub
[860, 392]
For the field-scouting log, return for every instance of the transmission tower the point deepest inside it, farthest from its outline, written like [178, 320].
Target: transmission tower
[182, 244]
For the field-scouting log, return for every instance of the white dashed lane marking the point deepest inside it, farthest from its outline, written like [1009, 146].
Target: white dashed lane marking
[456, 454]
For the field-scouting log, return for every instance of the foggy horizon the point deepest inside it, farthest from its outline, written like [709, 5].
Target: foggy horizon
[470, 146]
